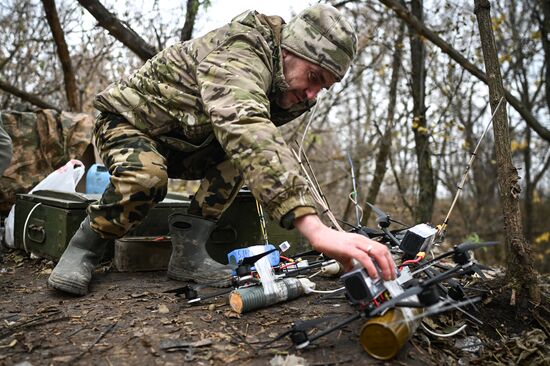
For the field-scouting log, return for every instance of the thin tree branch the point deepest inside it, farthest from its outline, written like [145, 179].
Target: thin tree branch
[33, 99]
[63, 54]
[119, 30]
[190, 16]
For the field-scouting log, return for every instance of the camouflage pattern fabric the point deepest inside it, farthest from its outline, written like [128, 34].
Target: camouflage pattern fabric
[5, 148]
[140, 167]
[220, 89]
[42, 142]
[320, 34]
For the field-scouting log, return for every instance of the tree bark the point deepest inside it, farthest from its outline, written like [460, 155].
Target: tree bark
[426, 194]
[544, 26]
[386, 139]
[119, 30]
[69, 77]
[519, 259]
[406, 16]
[190, 16]
[33, 99]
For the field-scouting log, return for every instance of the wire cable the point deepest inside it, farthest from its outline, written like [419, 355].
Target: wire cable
[444, 335]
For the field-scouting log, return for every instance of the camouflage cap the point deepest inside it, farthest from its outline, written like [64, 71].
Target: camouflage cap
[320, 34]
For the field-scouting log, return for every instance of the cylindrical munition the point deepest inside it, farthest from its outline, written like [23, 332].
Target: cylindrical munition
[251, 298]
[383, 336]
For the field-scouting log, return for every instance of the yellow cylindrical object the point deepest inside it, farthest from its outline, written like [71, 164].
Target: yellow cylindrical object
[383, 336]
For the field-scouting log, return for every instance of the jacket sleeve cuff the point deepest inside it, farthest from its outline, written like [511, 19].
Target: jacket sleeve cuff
[289, 209]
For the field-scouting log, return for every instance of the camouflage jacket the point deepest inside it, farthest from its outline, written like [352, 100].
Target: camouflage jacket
[222, 85]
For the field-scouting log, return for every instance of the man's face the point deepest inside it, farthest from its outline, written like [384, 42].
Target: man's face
[305, 80]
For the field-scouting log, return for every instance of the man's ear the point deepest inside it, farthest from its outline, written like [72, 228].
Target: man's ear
[284, 52]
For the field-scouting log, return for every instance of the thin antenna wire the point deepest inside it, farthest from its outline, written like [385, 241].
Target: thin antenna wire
[316, 194]
[315, 181]
[263, 226]
[301, 146]
[354, 193]
[465, 175]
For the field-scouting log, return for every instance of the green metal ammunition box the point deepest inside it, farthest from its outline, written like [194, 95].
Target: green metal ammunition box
[45, 221]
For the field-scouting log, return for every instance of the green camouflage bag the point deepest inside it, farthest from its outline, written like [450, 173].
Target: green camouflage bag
[42, 142]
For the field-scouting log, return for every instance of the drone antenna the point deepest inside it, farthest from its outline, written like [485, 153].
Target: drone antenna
[353, 197]
[443, 226]
[263, 226]
[315, 181]
[317, 194]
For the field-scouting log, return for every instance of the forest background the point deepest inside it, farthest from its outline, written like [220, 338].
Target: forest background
[406, 117]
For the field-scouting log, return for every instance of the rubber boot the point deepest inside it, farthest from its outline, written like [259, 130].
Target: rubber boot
[190, 260]
[74, 270]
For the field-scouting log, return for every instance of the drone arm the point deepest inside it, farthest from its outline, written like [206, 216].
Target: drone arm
[336, 327]
[393, 239]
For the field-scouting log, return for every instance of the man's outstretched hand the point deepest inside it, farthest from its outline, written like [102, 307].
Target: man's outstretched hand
[344, 247]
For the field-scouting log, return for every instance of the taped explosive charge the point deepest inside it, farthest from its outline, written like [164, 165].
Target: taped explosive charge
[383, 336]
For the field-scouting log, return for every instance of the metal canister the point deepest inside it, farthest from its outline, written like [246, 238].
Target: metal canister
[383, 336]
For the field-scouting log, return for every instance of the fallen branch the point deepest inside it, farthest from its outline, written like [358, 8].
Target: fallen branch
[77, 357]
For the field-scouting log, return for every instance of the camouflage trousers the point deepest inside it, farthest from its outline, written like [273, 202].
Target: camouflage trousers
[140, 167]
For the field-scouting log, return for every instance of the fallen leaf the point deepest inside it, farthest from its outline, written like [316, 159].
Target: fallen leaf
[62, 358]
[141, 294]
[163, 309]
[231, 314]
[10, 345]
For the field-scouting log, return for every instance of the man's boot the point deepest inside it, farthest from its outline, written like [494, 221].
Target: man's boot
[74, 270]
[190, 260]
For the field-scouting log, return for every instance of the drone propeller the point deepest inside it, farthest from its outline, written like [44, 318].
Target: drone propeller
[298, 331]
[460, 255]
[191, 293]
[382, 218]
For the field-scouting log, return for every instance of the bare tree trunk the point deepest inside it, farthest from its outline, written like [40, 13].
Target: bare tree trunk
[529, 188]
[69, 77]
[119, 30]
[33, 99]
[410, 19]
[426, 194]
[190, 16]
[519, 261]
[385, 140]
[544, 25]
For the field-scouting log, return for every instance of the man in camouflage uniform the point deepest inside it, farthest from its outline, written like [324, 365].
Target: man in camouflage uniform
[209, 108]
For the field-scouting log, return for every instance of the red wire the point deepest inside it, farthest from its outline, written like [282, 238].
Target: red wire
[410, 261]
[287, 265]
[286, 258]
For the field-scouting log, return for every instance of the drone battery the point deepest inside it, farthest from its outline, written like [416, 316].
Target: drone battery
[360, 287]
[416, 237]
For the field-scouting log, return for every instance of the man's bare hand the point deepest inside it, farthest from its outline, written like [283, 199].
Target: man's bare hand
[344, 247]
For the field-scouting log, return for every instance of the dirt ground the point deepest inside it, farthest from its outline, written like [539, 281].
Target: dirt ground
[128, 320]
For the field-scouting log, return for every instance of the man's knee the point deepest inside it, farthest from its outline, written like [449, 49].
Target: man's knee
[138, 171]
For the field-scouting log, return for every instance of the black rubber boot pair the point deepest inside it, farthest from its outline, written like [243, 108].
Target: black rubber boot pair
[190, 260]
[74, 270]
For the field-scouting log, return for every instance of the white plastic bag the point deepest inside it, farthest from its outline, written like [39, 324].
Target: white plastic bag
[63, 179]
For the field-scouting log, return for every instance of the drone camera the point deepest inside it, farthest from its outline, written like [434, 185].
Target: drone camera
[421, 235]
[360, 287]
